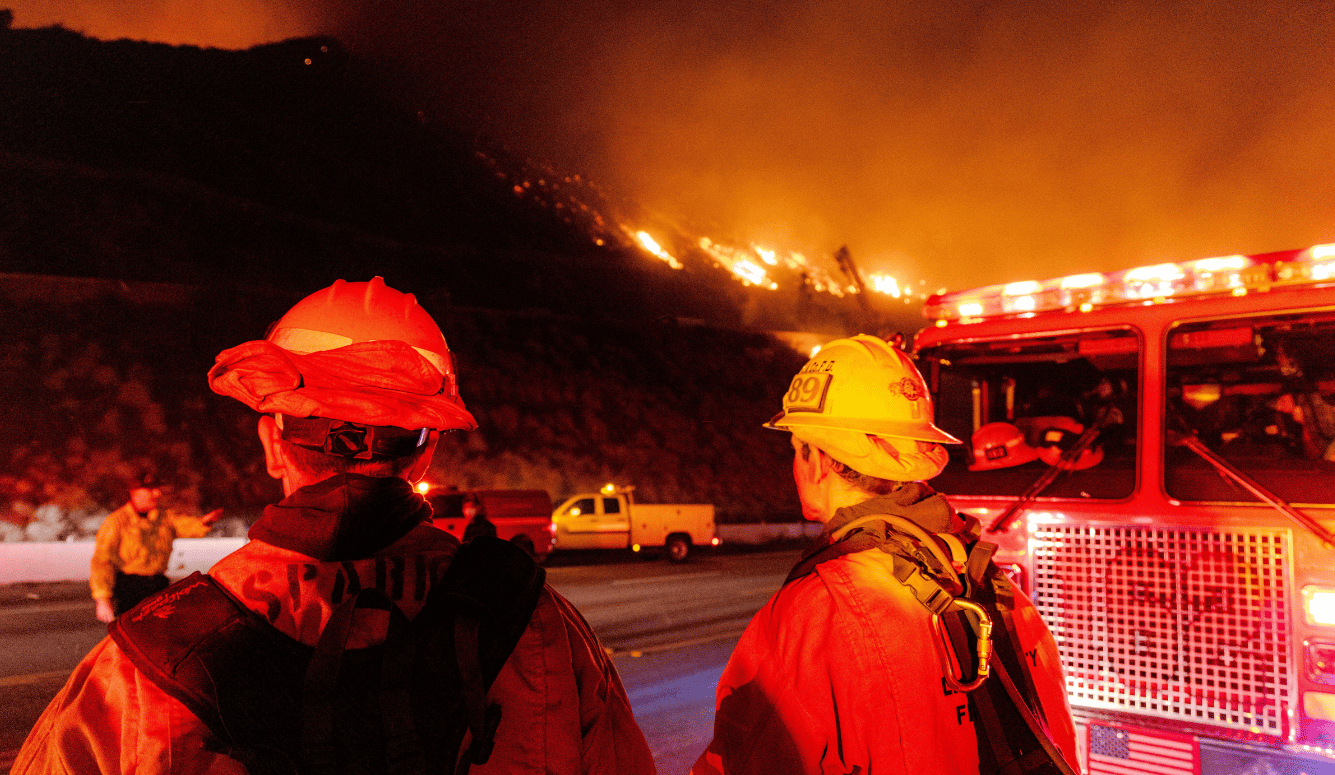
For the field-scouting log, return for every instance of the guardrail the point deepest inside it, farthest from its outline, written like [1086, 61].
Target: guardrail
[68, 560]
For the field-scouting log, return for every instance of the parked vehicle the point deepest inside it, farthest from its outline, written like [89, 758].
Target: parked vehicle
[1154, 452]
[521, 516]
[611, 519]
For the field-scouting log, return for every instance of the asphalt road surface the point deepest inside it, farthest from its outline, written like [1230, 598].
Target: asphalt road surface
[670, 629]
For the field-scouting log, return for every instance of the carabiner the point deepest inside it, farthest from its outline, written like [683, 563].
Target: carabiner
[951, 665]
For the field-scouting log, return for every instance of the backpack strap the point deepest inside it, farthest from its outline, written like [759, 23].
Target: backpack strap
[1008, 720]
[160, 637]
[488, 594]
[966, 609]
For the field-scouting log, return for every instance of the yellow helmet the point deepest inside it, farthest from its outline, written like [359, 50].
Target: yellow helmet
[864, 385]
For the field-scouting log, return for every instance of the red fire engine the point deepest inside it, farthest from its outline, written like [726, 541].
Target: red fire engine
[1154, 451]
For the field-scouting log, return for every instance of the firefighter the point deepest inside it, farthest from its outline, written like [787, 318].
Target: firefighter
[355, 385]
[842, 670]
[134, 546]
[476, 514]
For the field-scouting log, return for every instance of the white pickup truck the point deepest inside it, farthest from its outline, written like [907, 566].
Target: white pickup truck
[611, 519]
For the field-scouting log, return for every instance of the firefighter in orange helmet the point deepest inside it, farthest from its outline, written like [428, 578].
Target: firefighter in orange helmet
[843, 670]
[355, 385]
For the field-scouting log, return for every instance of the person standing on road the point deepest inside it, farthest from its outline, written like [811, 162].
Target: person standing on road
[134, 547]
[355, 385]
[843, 670]
[476, 514]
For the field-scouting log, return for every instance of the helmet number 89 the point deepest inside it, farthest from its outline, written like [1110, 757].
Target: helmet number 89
[806, 393]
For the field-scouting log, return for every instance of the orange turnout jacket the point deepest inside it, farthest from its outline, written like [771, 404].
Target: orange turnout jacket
[564, 708]
[838, 673]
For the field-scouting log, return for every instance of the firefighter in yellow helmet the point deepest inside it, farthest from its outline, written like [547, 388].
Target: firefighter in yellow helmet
[355, 385]
[844, 670]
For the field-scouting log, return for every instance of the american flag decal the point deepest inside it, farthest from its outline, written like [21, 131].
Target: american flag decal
[1121, 751]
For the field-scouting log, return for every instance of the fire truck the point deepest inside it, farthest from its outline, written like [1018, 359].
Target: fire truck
[1153, 450]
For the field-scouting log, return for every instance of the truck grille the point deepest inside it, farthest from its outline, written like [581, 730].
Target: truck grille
[1183, 625]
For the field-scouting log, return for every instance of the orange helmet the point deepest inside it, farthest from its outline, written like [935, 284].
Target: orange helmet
[360, 353]
[1000, 445]
[346, 313]
[1057, 435]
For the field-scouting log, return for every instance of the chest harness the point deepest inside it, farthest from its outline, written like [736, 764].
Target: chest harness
[971, 602]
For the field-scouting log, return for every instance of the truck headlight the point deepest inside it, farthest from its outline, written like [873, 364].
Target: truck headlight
[1319, 605]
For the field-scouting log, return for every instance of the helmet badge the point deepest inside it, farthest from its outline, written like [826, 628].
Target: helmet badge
[911, 391]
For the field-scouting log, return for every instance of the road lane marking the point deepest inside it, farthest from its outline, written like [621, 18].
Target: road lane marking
[649, 579]
[32, 678]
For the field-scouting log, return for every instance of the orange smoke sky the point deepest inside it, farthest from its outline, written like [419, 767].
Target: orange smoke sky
[954, 143]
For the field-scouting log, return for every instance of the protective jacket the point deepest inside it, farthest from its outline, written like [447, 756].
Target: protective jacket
[141, 545]
[564, 708]
[839, 671]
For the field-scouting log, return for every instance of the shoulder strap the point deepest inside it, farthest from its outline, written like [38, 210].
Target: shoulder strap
[486, 600]
[169, 637]
[203, 647]
[1011, 738]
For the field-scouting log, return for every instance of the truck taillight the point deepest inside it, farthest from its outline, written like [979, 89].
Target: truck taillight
[551, 528]
[715, 541]
[1319, 605]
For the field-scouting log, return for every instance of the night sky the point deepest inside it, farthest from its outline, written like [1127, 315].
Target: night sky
[950, 144]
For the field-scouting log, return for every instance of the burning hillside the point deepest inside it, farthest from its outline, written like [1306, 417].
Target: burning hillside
[293, 164]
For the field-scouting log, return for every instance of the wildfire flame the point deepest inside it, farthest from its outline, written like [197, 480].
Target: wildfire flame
[578, 201]
[653, 247]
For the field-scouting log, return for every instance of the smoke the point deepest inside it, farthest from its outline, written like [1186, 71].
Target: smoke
[952, 143]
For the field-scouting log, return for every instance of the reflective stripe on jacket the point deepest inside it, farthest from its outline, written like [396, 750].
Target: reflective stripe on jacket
[838, 673]
[564, 707]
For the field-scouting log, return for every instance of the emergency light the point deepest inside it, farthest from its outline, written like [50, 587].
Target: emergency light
[1319, 605]
[1153, 284]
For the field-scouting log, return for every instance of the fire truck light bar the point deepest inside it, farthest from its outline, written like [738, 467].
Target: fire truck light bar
[1236, 275]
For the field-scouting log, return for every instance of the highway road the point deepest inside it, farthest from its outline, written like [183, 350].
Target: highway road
[670, 629]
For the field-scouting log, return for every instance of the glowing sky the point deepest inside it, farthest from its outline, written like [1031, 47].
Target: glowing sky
[954, 143]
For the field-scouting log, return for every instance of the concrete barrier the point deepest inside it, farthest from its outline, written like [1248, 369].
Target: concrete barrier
[68, 560]
[765, 533]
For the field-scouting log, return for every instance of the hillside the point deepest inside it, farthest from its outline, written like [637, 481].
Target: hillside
[293, 164]
[164, 203]
[564, 404]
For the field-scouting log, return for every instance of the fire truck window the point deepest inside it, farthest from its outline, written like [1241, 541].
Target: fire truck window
[1024, 407]
[611, 506]
[1260, 394]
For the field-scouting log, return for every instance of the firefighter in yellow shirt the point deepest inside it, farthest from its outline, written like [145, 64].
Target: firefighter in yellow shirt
[134, 546]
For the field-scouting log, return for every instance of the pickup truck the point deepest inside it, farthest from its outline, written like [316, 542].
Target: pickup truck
[523, 517]
[611, 519]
